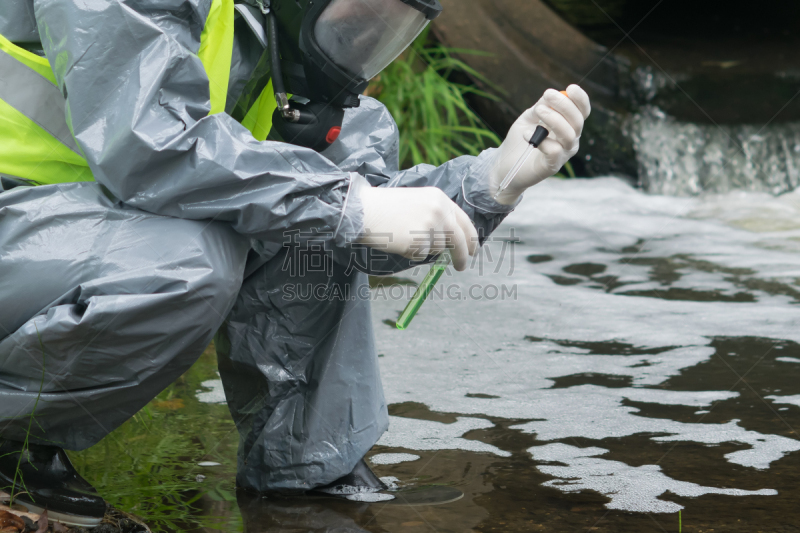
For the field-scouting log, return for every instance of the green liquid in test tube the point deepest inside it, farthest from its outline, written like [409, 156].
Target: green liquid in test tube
[424, 289]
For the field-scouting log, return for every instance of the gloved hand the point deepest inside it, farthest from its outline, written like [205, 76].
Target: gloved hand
[563, 117]
[415, 222]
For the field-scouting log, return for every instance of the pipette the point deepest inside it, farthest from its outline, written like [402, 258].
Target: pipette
[537, 138]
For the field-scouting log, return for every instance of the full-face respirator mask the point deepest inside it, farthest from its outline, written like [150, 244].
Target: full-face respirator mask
[324, 52]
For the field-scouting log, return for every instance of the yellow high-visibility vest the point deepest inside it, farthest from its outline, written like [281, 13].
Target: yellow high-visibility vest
[36, 142]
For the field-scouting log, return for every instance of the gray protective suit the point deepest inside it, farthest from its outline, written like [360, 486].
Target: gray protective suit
[112, 289]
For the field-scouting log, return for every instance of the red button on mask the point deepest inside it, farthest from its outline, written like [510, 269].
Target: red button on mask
[333, 134]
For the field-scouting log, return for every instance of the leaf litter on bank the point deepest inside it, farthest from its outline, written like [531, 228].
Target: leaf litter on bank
[17, 520]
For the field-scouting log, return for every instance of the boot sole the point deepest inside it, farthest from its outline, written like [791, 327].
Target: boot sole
[66, 519]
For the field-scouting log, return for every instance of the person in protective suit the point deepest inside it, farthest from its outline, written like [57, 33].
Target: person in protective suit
[168, 169]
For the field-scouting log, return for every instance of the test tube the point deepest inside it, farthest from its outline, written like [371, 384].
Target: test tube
[424, 289]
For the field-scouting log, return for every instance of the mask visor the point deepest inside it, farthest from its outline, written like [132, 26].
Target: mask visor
[363, 36]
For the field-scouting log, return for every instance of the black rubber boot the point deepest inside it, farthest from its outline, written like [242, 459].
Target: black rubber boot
[49, 481]
[361, 479]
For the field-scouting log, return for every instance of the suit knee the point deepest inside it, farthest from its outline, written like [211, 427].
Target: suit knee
[222, 270]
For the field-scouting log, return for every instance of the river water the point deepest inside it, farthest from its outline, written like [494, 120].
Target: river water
[612, 359]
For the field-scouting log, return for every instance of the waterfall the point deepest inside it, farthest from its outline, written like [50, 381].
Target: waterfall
[680, 158]
[683, 158]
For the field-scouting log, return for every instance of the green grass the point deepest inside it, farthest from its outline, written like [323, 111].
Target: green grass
[13, 492]
[148, 466]
[431, 111]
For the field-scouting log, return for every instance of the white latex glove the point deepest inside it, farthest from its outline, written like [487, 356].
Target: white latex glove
[415, 222]
[563, 117]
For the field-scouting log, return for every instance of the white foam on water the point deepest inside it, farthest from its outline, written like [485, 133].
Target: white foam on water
[391, 482]
[595, 413]
[343, 490]
[791, 400]
[370, 497]
[363, 494]
[788, 359]
[215, 395]
[502, 358]
[415, 434]
[633, 489]
[392, 458]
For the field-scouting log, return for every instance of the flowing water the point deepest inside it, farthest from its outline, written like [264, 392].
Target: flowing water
[687, 158]
[611, 359]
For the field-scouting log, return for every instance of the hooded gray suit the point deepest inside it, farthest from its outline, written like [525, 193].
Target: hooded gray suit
[194, 227]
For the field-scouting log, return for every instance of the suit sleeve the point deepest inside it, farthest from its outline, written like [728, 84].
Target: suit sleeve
[138, 105]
